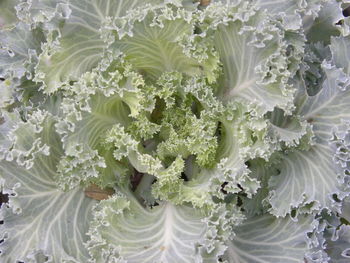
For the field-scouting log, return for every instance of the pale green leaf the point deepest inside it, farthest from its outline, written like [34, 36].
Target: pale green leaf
[41, 221]
[291, 7]
[306, 178]
[254, 61]
[84, 131]
[90, 127]
[266, 239]
[79, 46]
[311, 177]
[162, 40]
[324, 26]
[165, 233]
[340, 47]
[19, 48]
[287, 129]
[8, 13]
[338, 246]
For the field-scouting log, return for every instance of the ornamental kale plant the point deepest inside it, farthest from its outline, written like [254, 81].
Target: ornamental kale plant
[169, 131]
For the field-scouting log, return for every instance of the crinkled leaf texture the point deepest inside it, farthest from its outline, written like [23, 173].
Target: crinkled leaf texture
[174, 131]
[41, 222]
[268, 239]
[165, 233]
[79, 45]
[314, 175]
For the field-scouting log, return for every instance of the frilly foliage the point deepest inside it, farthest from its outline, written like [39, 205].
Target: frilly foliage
[221, 131]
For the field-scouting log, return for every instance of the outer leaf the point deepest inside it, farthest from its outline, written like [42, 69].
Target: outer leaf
[339, 248]
[306, 177]
[41, 221]
[84, 133]
[291, 12]
[92, 125]
[8, 13]
[324, 25]
[124, 230]
[265, 239]
[79, 46]
[340, 47]
[24, 138]
[253, 56]
[19, 48]
[287, 129]
[312, 176]
[157, 40]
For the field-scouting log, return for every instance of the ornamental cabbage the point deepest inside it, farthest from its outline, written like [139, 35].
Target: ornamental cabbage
[174, 131]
